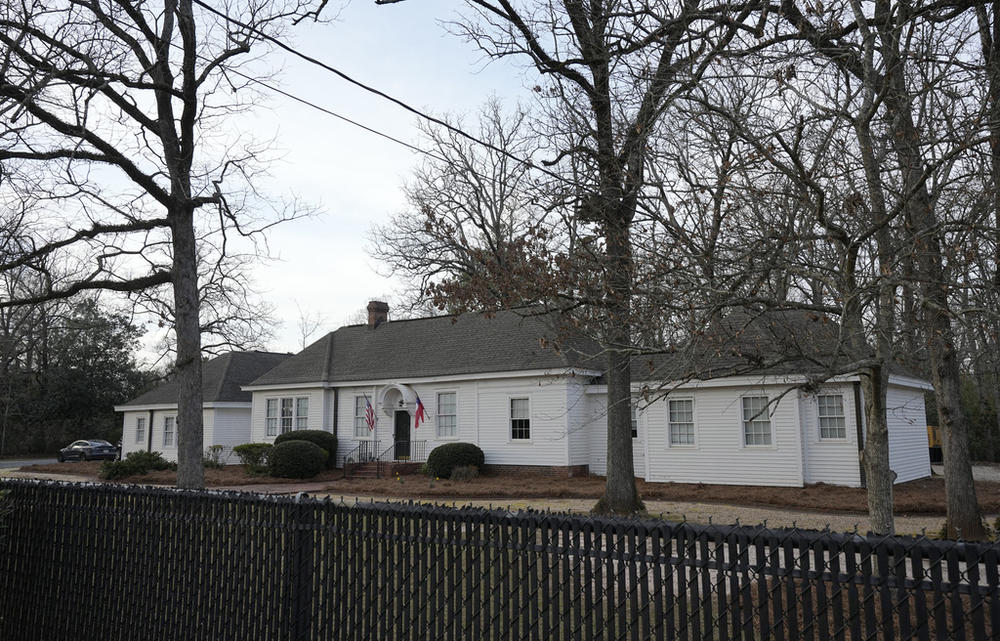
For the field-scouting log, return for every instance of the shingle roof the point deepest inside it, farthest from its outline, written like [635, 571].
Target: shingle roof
[222, 378]
[777, 342]
[438, 346]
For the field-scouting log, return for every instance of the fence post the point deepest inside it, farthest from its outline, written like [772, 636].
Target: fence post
[303, 543]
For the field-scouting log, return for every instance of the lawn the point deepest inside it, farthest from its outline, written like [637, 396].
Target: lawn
[925, 496]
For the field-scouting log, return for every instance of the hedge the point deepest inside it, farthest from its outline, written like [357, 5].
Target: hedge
[326, 440]
[445, 458]
[297, 459]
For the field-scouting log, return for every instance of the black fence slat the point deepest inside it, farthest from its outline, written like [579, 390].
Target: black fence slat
[163, 563]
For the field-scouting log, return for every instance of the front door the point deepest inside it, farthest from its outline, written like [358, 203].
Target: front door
[402, 436]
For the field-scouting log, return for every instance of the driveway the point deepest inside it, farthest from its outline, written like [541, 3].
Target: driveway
[21, 462]
[980, 471]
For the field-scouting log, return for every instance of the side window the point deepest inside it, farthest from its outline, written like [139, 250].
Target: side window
[447, 414]
[286, 415]
[634, 418]
[302, 413]
[832, 424]
[756, 422]
[681, 421]
[520, 419]
[271, 417]
[169, 422]
[360, 424]
[140, 429]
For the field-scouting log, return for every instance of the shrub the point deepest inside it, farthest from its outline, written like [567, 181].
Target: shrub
[135, 464]
[464, 473]
[253, 456]
[445, 458]
[214, 455]
[326, 440]
[297, 459]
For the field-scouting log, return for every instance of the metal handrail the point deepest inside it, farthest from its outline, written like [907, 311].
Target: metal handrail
[417, 455]
[362, 453]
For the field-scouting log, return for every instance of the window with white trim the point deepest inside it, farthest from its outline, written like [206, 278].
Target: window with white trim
[681, 421]
[169, 427]
[271, 417]
[360, 424]
[634, 418]
[832, 423]
[302, 413]
[447, 415]
[287, 414]
[140, 429]
[756, 422]
[520, 419]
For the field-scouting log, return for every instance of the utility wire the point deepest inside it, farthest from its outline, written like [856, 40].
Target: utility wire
[377, 92]
[330, 112]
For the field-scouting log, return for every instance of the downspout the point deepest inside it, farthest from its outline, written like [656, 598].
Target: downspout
[861, 430]
[149, 432]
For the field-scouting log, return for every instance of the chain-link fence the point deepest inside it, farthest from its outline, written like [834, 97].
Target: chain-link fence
[114, 562]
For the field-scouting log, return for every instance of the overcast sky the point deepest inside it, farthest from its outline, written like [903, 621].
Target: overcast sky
[352, 175]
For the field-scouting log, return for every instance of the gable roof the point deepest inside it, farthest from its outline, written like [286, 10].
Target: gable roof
[438, 346]
[775, 342]
[222, 379]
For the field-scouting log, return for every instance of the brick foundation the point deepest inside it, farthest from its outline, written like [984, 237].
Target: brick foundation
[547, 470]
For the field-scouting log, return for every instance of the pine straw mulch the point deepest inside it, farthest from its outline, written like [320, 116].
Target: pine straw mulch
[924, 496]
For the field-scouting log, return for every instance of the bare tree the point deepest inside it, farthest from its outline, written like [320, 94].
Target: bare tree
[117, 116]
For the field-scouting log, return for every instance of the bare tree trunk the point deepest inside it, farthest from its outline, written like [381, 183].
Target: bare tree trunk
[963, 509]
[190, 430]
[620, 494]
[879, 477]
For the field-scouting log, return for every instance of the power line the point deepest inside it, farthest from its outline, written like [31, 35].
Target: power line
[330, 112]
[377, 92]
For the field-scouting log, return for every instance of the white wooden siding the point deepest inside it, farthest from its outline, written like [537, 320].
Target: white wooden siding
[129, 422]
[258, 429]
[827, 460]
[231, 428]
[719, 456]
[909, 457]
[596, 427]
[578, 414]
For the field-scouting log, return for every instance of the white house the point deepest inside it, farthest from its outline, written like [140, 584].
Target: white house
[750, 417]
[150, 420]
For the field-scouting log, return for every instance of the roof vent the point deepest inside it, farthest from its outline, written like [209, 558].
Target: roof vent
[378, 313]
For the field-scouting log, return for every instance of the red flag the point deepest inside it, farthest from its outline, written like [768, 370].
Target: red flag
[420, 416]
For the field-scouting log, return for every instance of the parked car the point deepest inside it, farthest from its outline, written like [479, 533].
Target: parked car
[88, 450]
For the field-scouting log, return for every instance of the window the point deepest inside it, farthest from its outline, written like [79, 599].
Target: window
[447, 415]
[360, 425]
[756, 422]
[140, 429]
[271, 419]
[520, 419]
[681, 421]
[302, 413]
[831, 416]
[634, 419]
[286, 415]
[168, 431]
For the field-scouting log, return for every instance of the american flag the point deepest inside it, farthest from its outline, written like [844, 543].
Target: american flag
[369, 414]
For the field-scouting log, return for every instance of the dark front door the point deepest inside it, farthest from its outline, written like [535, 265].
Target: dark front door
[402, 435]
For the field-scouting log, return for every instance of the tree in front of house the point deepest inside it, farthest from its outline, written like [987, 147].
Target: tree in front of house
[116, 143]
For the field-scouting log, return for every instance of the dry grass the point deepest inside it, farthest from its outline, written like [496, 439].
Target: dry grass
[925, 496]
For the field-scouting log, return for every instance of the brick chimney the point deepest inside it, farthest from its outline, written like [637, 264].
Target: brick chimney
[378, 313]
